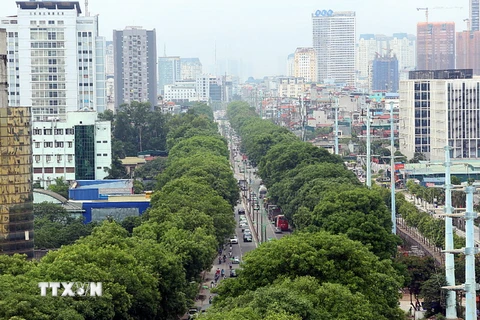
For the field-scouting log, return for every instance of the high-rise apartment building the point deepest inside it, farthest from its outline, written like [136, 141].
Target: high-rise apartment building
[291, 65]
[468, 51]
[56, 59]
[305, 64]
[435, 45]
[135, 56]
[190, 69]
[437, 109]
[385, 74]
[109, 60]
[403, 45]
[334, 44]
[474, 15]
[168, 71]
[367, 48]
[16, 198]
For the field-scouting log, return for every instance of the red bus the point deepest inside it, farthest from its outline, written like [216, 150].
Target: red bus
[281, 222]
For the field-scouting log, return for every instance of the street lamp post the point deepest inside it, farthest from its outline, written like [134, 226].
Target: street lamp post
[336, 125]
[392, 170]
[369, 152]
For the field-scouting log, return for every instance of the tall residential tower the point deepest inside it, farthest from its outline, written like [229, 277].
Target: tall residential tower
[135, 56]
[435, 45]
[56, 59]
[334, 44]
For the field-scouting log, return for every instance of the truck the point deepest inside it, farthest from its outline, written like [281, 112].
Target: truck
[281, 223]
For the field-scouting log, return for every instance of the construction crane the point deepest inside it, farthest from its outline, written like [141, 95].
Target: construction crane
[426, 30]
[435, 8]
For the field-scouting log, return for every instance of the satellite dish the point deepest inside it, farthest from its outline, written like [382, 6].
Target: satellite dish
[330, 12]
[324, 12]
[317, 13]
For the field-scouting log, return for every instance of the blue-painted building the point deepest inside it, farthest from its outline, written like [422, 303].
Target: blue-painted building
[385, 76]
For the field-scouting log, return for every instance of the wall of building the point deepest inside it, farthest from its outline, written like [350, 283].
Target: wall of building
[55, 152]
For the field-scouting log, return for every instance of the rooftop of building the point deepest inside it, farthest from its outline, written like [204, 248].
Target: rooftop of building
[116, 198]
[102, 184]
[129, 161]
[460, 166]
[52, 5]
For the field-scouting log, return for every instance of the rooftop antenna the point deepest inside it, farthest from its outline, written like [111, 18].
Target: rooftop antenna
[87, 14]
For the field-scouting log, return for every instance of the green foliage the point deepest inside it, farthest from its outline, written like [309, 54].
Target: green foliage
[327, 258]
[136, 127]
[117, 170]
[299, 298]
[207, 168]
[417, 270]
[362, 215]
[434, 297]
[60, 186]
[283, 157]
[151, 169]
[138, 187]
[55, 227]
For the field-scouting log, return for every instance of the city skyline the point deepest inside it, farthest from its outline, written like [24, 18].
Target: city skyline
[260, 34]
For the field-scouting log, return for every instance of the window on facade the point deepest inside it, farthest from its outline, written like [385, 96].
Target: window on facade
[69, 144]
[37, 131]
[48, 158]
[47, 131]
[58, 144]
[37, 158]
[37, 144]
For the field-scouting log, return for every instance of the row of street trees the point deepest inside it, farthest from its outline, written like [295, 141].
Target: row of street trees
[322, 271]
[150, 268]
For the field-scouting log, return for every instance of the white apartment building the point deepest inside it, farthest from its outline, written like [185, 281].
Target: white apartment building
[366, 51]
[289, 87]
[56, 59]
[181, 91]
[78, 148]
[109, 60]
[334, 43]
[305, 64]
[190, 68]
[435, 113]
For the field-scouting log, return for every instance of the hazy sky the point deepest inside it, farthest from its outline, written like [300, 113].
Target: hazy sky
[259, 32]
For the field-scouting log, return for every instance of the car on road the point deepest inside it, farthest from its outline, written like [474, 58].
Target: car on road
[192, 312]
[235, 260]
[277, 230]
[233, 273]
[247, 238]
[243, 224]
[241, 210]
[233, 240]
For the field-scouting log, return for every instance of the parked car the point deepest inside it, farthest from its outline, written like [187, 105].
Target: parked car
[235, 260]
[247, 238]
[233, 273]
[241, 210]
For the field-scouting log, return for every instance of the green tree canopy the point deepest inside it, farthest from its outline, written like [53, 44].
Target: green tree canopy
[329, 259]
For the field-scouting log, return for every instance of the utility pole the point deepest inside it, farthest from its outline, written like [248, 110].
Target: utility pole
[302, 117]
[392, 170]
[336, 126]
[470, 251]
[449, 257]
[369, 152]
